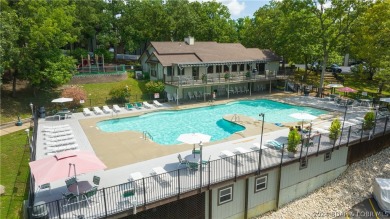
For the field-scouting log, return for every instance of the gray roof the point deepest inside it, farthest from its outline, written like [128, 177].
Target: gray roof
[169, 53]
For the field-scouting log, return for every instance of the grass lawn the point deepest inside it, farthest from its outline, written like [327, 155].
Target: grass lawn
[15, 172]
[98, 95]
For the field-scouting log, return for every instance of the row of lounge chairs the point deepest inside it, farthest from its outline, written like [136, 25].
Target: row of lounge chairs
[139, 105]
[58, 138]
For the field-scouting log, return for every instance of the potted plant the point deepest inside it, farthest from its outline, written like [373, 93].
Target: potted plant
[334, 131]
[369, 122]
[226, 76]
[292, 141]
[247, 74]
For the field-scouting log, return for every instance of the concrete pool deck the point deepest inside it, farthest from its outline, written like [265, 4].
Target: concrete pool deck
[128, 147]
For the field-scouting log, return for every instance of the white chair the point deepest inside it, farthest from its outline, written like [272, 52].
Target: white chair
[181, 161]
[190, 95]
[157, 104]
[116, 108]
[87, 112]
[97, 110]
[129, 197]
[107, 109]
[45, 186]
[170, 97]
[147, 105]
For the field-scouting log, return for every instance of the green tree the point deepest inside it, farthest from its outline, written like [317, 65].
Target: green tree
[45, 27]
[370, 39]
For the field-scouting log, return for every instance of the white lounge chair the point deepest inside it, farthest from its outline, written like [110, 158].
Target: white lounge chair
[147, 105]
[157, 104]
[55, 130]
[116, 108]
[60, 143]
[58, 134]
[60, 138]
[97, 110]
[87, 112]
[170, 97]
[62, 148]
[190, 95]
[107, 109]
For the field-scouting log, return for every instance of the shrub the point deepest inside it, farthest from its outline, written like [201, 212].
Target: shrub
[293, 140]
[120, 94]
[369, 121]
[335, 129]
[108, 56]
[78, 52]
[77, 93]
[154, 87]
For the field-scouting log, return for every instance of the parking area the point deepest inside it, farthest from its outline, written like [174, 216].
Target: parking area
[366, 209]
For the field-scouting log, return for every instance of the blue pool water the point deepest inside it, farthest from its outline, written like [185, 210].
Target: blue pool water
[166, 126]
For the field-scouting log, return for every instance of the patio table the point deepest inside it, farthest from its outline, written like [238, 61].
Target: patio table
[192, 158]
[83, 186]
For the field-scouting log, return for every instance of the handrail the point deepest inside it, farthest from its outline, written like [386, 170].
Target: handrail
[236, 118]
[146, 134]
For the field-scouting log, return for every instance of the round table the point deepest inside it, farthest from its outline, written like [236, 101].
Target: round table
[192, 158]
[83, 186]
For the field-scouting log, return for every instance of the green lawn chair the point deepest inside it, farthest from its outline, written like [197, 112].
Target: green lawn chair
[129, 106]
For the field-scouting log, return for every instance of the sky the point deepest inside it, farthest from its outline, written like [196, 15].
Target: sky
[243, 8]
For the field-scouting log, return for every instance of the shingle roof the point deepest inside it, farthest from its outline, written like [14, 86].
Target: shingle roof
[208, 52]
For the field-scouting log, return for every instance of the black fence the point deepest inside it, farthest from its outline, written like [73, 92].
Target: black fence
[133, 195]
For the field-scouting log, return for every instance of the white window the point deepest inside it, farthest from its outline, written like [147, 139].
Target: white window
[225, 195]
[261, 183]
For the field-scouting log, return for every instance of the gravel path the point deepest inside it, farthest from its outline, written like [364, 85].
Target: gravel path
[338, 196]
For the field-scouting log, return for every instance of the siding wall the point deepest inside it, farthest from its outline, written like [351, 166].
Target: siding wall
[272, 66]
[296, 183]
[265, 200]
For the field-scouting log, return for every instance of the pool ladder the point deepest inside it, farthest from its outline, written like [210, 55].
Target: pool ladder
[146, 134]
[235, 118]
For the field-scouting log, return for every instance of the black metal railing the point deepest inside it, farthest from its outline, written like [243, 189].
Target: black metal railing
[111, 200]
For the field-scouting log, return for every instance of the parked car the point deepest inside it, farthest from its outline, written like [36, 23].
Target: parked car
[315, 66]
[334, 68]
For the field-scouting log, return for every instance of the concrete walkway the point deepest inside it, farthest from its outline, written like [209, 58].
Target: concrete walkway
[11, 129]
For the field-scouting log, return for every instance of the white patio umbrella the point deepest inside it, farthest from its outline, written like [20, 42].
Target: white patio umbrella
[62, 100]
[193, 138]
[303, 116]
[332, 86]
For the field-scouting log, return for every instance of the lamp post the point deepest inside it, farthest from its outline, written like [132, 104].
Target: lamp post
[342, 129]
[28, 135]
[32, 110]
[261, 141]
[200, 163]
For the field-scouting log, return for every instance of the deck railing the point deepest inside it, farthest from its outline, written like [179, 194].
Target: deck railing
[111, 200]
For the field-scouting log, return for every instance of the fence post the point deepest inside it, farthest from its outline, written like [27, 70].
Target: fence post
[143, 185]
[349, 135]
[178, 183]
[58, 209]
[384, 131]
[281, 158]
[318, 146]
[300, 155]
[235, 169]
[209, 169]
[105, 202]
[361, 132]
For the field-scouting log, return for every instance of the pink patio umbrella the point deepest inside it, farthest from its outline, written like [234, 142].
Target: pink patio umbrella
[347, 90]
[63, 165]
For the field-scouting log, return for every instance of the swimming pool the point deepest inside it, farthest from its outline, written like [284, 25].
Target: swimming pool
[166, 126]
